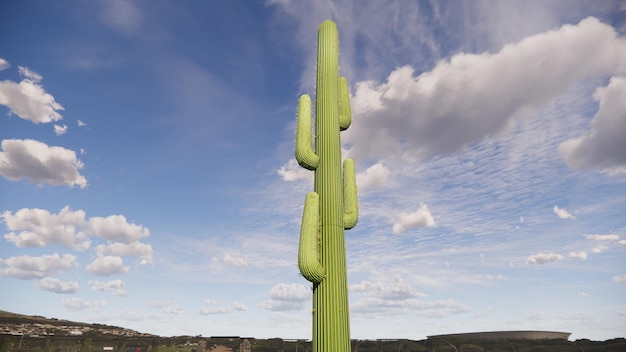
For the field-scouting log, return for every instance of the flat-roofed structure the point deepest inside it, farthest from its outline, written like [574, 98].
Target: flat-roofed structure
[505, 335]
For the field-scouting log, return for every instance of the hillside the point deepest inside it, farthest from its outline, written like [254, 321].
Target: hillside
[35, 325]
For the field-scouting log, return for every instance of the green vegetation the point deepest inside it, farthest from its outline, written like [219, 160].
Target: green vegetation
[9, 343]
[332, 207]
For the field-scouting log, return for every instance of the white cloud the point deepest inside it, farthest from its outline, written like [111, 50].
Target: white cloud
[122, 16]
[435, 309]
[59, 130]
[481, 279]
[138, 249]
[116, 228]
[173, 308]
[28, 100]
[420, 218]
[543, 258]
[57, 286]
[374, 177]
[81, 123]
[30, 74]
[169, 307]
[395, 289]
[562, 213]
[604, 147]
[611, 237]
[287, 297]
[470, 97]
[239, 306]
[27, 267]
[214, 310]
[40, 163]
[293, 172]
[234, 261]
[210, 310]
[4, 64]
[107, 265]
[38, 228]
[115, 286]
[578, 255]
[620, 279]
[600, 248]
[76, 303]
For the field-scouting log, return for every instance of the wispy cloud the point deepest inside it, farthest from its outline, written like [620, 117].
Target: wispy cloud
[543, 258]
[562, 213]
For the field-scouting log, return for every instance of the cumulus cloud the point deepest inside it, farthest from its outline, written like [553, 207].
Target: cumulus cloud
[76, 303]
[114, 286]
[27, 267]
[40, 163]
[578, 255]
[135, 249]
[116, 228]
[39, 227]
[57, 286]
[4, 64]
[420, 218]
[470, 97]
[620, 279]
[239, 306]
[604, 146]
[107, 265]
[27, 99]
[543, 258]
[287, 297]
[374, 177]
[562, 213]
[59, 130]
[293, 172]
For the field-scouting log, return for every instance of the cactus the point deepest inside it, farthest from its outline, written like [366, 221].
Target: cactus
[333, 205]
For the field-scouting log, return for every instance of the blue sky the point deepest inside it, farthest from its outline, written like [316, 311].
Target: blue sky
[148, 178]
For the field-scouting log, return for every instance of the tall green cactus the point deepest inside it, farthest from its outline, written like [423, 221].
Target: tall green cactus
[333, 205]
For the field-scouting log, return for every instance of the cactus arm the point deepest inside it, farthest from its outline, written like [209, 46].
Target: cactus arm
[350, 200]
[305, 155]
[345, 115]
[308, 261]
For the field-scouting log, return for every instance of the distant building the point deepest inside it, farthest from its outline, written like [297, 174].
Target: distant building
[505, 335]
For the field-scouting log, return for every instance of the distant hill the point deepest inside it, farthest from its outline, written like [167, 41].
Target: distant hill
[9, 318]
[14, 318]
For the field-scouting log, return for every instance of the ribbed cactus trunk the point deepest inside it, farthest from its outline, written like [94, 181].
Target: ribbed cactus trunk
[332, 207]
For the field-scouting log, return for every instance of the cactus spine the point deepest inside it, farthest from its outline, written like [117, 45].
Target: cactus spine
[333, 206]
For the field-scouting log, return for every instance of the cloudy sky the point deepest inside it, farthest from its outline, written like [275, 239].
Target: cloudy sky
[148, 180]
